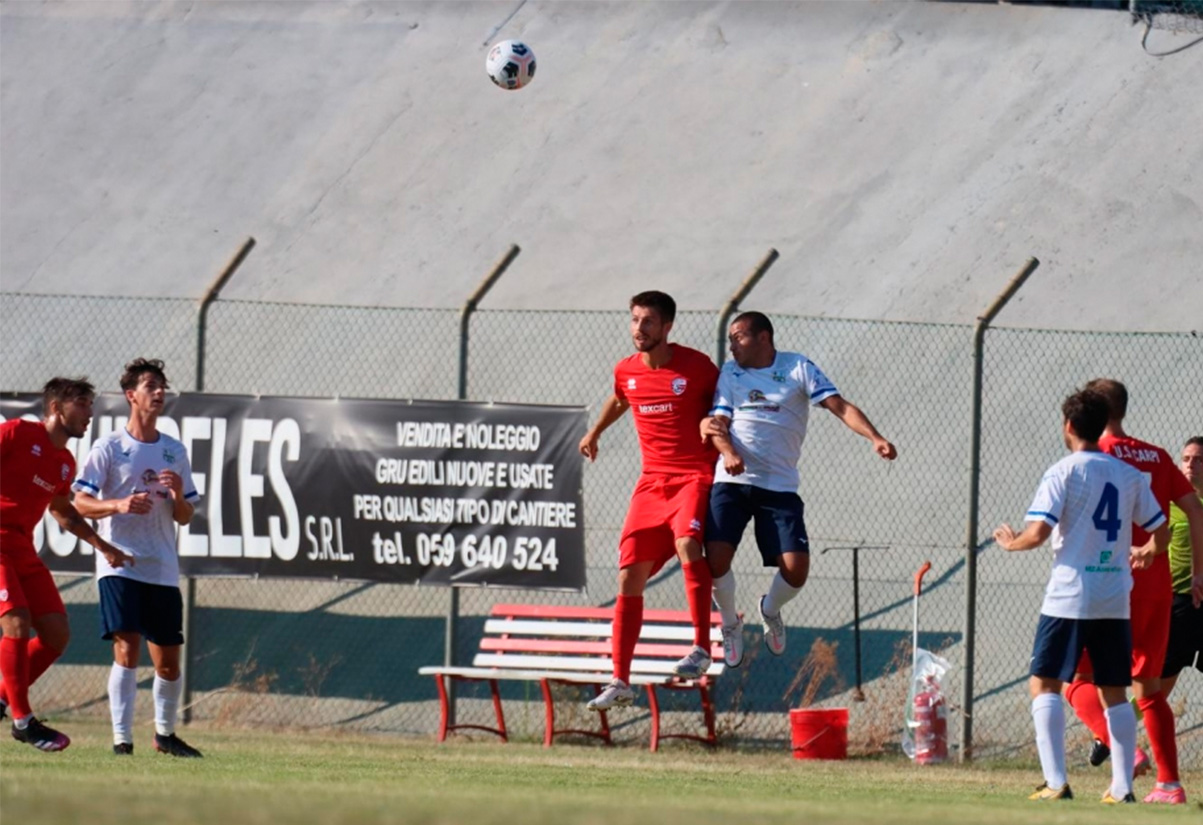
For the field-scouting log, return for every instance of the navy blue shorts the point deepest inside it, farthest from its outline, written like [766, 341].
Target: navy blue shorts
[779, 524]
[155, 611]
[1060, 642]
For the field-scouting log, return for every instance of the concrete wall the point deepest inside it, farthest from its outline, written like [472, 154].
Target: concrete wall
[905, 158]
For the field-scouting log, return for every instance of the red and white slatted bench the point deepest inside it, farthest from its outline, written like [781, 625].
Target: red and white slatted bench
[571, 645]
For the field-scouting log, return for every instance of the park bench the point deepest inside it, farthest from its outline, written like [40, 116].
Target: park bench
[554, 645]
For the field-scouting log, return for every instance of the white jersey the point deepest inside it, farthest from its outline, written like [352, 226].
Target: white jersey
[768, 408]
[1091, 500]
[119, 466]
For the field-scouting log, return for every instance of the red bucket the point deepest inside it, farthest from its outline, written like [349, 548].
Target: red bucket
[817, 733]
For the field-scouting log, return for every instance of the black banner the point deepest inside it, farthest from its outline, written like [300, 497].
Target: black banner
[442, 492]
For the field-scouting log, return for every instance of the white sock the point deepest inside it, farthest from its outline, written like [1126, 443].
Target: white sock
[167, 704]
[1121, 725]
[780, 594]
[123, 690]
[724, 597]
[21, 722]
[1048, 716]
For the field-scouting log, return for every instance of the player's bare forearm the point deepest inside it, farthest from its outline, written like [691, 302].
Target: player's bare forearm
[1033, 535]
[855, 419]
[182, 510]
[70, 520]
[91, 507]
[611, 411]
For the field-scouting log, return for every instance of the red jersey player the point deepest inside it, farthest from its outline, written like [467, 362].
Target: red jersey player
[1151, 601]
[36, 471]
[669, 388]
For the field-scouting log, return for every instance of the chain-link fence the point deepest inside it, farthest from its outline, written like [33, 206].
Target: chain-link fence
[322, 654]
[1171, 15]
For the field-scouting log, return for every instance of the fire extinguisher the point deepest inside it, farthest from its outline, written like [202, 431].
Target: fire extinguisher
[931, 725]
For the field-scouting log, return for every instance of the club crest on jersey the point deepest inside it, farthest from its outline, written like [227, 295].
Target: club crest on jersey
[779, 377]
[678, 386]
[3, 595]
[37, 449]
[66, 472]
[169, 456]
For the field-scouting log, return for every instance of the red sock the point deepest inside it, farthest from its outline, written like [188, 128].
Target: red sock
[14, 667]
[1159, 724]
[698, 584]
[41, 657]
[1083, 696]
[628, 622]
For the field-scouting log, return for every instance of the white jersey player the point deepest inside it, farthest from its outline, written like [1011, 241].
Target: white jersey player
[1088, 503]
[138, 482]
[761, 408]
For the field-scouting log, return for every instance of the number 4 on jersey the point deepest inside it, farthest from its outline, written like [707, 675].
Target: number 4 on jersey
[1106, 514]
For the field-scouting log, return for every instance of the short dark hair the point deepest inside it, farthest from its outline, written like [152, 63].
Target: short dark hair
[63, 390]
[135, 369]
[1087, 411]
[757, 322]
[1196, 441]
[662, 302]
[1115, 393]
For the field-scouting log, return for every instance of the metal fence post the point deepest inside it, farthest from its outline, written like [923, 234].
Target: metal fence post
[971, 542]
[465, 318]
[732, 304]
[189, 583]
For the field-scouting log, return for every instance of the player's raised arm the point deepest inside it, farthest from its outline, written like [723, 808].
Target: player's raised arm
[855, 420]
[611, 411]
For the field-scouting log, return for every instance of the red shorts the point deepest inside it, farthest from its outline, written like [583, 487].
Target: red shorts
[1150, 638]
[25, 582]
[664, 508]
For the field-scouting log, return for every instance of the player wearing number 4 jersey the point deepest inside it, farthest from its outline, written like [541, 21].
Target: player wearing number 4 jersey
[1152, 604]
[668, 388]
[1089, 503]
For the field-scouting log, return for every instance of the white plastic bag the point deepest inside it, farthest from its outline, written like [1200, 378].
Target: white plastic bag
[925, 735]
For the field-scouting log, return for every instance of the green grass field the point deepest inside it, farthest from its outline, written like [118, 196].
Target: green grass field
[283, 777]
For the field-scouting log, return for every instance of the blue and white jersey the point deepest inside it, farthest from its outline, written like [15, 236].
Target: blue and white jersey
[118, 466]
[768, 408]
[1092, 500]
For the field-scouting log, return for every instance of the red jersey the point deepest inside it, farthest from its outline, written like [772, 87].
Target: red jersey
[668, 403]
[1168, 484]
[32, 471]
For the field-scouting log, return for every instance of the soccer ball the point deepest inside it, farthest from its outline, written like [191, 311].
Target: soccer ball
[511, 64]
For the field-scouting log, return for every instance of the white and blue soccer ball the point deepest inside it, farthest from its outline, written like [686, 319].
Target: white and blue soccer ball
[511, 64]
